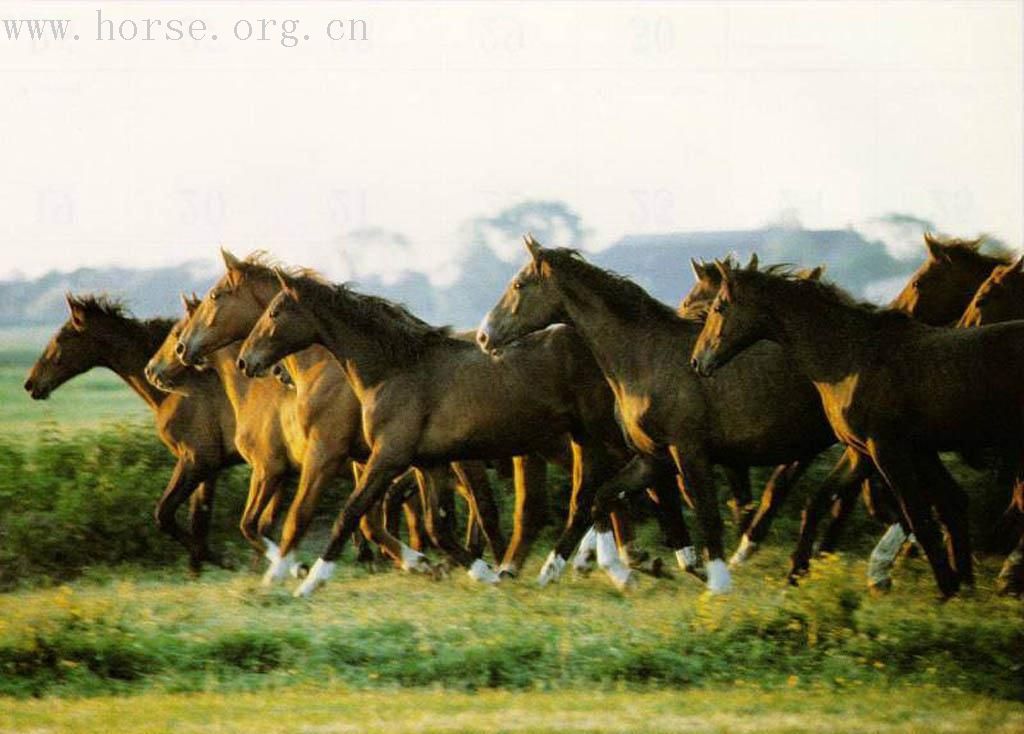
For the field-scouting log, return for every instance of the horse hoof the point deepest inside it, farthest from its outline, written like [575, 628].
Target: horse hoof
[880, 586]
[507, 571]
[479, 571]
[551, 570]
[300, 570]
[743, 553]
[719, 580]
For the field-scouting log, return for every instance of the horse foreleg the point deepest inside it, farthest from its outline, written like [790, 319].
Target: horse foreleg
[318, 470]
[898, 467]
[669, 514]
[377, 476]
[530, 481]
[184, 481]
[264, 485]
[696, 471]
[591, 466]
[200, 514]
[435, 491]
[777, 489]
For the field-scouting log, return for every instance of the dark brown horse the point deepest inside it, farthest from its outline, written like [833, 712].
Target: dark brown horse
[428, 398]
[323, 417]
[935, 294]
[197, 425]
[895, 391]
[1001, 298]
[757, 413]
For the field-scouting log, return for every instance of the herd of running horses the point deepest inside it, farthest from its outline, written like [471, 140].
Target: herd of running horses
[579, 366]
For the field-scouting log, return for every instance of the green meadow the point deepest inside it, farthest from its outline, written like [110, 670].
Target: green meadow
[102, 628]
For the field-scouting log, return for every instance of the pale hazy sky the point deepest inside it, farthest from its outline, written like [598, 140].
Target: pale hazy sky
[644, 117]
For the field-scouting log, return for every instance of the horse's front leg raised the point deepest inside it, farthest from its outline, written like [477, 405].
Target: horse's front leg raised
[264, 486]
[380, 471]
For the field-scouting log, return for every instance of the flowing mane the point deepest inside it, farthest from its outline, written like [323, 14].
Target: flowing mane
[155, 329]
[400, 334]
[623, 296]
[818, 288]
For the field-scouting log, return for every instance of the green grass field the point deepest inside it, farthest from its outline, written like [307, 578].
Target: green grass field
[127, 641]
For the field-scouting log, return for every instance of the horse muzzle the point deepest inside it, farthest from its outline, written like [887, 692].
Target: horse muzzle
[36, 391]
[704, 364]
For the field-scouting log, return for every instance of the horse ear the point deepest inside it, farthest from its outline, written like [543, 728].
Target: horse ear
[752, 265]
[935, 247]
[725, 270]
[1017, 266]
[533, 246]
[698, 269]
[77, 310]
[230, 261]
[816, 273]
[190, 303]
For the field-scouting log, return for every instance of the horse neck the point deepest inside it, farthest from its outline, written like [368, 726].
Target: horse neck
[236, 385]
[127, 355]
[827, 340]
[360, 355]
[611, 337]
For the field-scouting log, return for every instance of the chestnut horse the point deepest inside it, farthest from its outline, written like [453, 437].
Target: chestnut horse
[428, 398]
[325, 428]
[895, 391]
[197, 425]
[269, 439]
[757, 413]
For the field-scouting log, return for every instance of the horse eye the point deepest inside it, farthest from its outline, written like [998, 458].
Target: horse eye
[517, 285]
[214, 295]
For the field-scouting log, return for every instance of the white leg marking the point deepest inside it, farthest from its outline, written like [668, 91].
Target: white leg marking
[719, 581]
[586, 554]
[687, 558]
[280, 568]
[318, 574]
[270, 550]
[884, 556]
[743, 553]
[481, 572]
[609, 560]
[551, 570]
[414, 561]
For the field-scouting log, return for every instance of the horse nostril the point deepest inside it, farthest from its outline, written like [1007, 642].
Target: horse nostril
[694, 364]
[179, 349]
[28, 385]
[482, 339]
[241, 364]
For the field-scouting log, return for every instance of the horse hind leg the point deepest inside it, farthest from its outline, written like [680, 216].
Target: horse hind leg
[951, 503]
[200, 516]
[184, 481]
[1011, 576]
[741, 501]
[898, 466]
[698, 477]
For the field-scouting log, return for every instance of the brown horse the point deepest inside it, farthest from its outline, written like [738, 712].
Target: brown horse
[942, 287]
[326, 424]
[266, 412]
[895, 391]
[197, 425]
[757, 413]
[428, 398]
[936, 294]
[999, 299]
